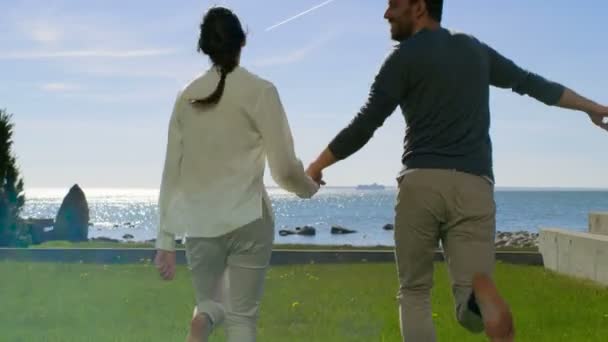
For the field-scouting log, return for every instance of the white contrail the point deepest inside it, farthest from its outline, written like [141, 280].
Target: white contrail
[299, 15]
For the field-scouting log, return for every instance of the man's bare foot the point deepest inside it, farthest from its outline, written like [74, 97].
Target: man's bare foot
[200, 328]
[497, 317]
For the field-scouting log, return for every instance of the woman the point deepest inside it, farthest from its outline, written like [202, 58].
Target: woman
[225, 125]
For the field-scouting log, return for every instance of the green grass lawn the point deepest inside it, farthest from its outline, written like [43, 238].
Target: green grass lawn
[77, 302]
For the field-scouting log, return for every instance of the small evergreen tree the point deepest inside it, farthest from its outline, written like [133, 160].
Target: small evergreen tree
[12, 198]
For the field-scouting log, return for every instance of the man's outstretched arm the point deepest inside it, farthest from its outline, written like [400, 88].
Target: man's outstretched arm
[504, 73]
[386, 93]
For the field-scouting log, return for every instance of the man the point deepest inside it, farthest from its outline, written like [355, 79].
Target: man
[441, 81]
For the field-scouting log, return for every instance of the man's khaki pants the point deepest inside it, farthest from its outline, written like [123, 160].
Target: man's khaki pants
[458, 210]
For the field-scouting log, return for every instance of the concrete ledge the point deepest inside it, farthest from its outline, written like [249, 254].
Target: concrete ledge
[598, 223]
[581, 255]
[279, 257]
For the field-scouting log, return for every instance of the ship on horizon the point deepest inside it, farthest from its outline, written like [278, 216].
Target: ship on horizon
[374, 186]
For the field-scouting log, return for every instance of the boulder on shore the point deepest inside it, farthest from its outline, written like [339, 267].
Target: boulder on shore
[72, 222]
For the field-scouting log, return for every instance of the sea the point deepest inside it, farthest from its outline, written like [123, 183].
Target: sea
[115, 213]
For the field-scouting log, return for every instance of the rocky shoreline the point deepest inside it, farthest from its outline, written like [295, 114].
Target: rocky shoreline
[518, 239]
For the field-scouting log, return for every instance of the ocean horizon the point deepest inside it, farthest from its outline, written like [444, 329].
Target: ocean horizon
[116, 212]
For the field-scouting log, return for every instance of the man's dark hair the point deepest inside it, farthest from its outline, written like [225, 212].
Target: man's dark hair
[435, 8]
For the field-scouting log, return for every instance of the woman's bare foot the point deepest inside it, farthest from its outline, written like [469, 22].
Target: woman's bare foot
[497, 317]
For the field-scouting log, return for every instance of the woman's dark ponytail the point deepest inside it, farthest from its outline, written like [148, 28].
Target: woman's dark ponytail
[221, 38]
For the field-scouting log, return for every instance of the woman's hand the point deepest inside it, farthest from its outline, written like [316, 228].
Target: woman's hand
[165, 264]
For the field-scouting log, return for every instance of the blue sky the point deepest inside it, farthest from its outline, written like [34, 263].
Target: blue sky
[91, 83]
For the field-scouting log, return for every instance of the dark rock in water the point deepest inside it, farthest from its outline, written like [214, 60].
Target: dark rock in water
[72, 222]
[128, 237]
[341, 230]
[104, 239]
[116, 226]
[306, 231]
[389, 227]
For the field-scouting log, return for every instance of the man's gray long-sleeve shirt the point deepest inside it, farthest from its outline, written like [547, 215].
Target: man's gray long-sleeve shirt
[441, 80]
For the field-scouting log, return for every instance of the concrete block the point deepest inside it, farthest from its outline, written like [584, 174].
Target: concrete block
[577, 254]
[601, 271]
[598, 223]
[548, 248]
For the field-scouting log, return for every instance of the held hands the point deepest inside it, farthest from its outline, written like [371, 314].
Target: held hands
[165, 264]
[325, 160]
[599, 117]
[316, 173]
